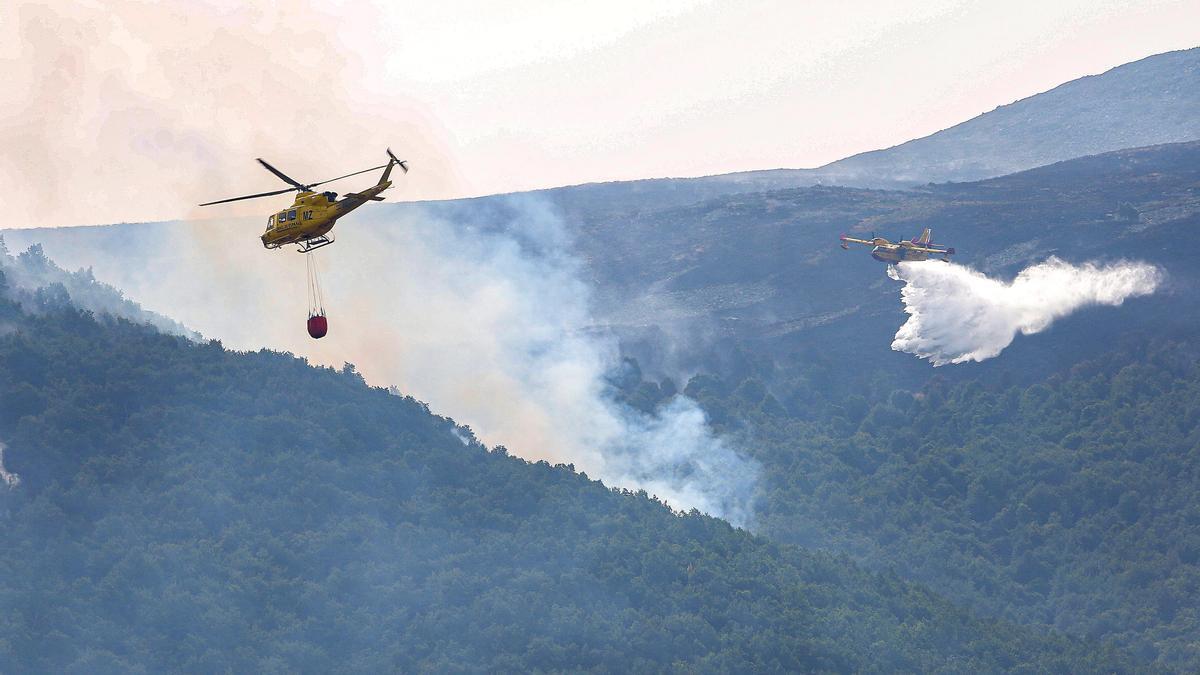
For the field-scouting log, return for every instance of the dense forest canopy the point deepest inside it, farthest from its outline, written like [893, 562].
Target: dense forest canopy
[182, 507]
[1070, 502]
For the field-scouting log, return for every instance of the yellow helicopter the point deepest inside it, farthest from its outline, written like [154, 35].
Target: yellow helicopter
[312, 215]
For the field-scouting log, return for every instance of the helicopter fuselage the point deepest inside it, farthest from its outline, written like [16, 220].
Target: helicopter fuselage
[313, 214]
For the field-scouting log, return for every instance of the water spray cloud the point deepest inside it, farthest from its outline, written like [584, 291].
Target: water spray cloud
[957, 314]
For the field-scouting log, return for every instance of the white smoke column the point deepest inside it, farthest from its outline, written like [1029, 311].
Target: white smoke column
[12, 480]
[480, 310]
[674, 454]
[957, 314]
[487, 318]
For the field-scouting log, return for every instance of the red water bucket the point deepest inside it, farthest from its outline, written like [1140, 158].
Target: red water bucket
[318, 326]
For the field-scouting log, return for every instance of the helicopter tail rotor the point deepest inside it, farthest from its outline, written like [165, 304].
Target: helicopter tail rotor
[403, 163]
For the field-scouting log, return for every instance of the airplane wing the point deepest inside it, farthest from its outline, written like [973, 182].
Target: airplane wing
[851, 240]
[938, 251]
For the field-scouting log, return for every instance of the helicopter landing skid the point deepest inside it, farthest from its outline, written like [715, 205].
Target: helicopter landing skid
[310, 245]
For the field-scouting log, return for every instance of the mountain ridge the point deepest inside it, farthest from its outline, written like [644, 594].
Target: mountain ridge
[1152, 97]
[981, 147]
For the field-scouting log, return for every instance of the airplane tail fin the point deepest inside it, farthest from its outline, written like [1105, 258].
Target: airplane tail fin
[926, 237]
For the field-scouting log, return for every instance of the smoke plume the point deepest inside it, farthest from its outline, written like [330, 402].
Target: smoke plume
[957, 314]
[489, 320]
[479, 309]
[9, 479]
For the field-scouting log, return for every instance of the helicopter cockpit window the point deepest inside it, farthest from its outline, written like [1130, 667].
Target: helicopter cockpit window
[271, 221]
[292, 214]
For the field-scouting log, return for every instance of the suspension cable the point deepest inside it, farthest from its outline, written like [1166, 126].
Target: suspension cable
[316, 299]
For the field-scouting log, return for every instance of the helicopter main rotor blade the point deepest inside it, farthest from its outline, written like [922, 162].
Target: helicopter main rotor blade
[295, 185]
[330, 180]
[238, 199]
[281, 175]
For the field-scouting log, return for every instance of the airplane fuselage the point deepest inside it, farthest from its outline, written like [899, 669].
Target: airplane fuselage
[897, 254]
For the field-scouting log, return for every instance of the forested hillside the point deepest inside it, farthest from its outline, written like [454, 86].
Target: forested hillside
[182, 507]
[1072, 502]
[771, 259]
[1053, 485]
[762, 273]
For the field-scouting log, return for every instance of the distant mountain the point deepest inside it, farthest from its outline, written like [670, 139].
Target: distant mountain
[182, 508]
[765, 266]
[1147, 102]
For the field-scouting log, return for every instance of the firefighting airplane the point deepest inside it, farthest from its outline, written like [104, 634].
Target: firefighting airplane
[915, 249]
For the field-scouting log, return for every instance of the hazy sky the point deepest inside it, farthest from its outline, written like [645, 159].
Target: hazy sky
[126, 111]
